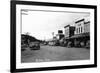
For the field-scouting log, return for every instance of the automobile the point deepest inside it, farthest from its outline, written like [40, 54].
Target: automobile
[88, 44]
[34, 45]
[51, 43]
[24, 47]
[45, 43]
[69, 44]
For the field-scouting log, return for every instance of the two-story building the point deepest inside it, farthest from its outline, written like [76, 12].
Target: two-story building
[69, 31]
[79, 26]
[82, 32]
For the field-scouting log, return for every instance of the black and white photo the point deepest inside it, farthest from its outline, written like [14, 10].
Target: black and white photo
[52, 36]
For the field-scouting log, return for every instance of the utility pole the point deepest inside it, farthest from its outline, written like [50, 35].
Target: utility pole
[53, 34]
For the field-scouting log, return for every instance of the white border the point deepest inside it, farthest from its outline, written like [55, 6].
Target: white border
[20, 65]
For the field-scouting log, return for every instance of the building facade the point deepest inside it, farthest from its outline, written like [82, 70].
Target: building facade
[79, 26]
[87, 25]
[69, 31]
[82, 32]
[82, 26]
[60, 35]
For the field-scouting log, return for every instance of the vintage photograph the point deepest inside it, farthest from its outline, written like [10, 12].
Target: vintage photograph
[52, 36]
[48, 35]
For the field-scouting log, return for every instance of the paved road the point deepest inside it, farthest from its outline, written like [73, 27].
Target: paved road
[54, 53]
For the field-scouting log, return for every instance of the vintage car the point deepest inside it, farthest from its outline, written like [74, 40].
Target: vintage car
[88, 44]
[51, 43]
[24, 47]
[34, 45]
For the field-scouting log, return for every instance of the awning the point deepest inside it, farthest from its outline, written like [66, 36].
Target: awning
[81, 35]
[67, 38]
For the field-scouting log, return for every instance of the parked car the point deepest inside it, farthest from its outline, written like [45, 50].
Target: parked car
[88, 44]
[24, 47]
[34, 45]
[45, 43]
[50, 43]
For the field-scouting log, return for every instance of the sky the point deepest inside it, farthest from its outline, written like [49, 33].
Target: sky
[41, 24]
